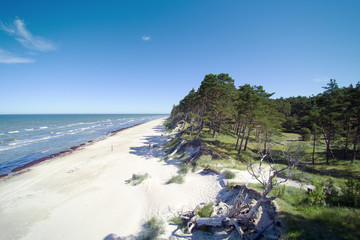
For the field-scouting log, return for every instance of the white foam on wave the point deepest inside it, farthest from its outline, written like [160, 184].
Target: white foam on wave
[29, 129]
[23, 143]
[43, 127]
[11, 132]
[1, 134]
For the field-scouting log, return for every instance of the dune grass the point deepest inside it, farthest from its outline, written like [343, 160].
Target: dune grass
[206, 210]
[137, 179]
[229, 174]
[179, 179]
[152, 229]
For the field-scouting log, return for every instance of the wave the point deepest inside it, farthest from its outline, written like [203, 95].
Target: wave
[23, 143]
[50, 136]
[11, 132]
[9, 147]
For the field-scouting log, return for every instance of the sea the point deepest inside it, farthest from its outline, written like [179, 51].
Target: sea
[27, 138]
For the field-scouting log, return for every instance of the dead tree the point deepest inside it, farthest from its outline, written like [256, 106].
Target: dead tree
[242, 211]
[267, 174]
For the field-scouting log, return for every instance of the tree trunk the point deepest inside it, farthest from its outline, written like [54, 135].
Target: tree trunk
[327, 141]
[313, 152]
[243, 136]
[237, 129]
[200, 128]
[238, 134]
[355, 144]
[327, 151]
[257, 133]
[265, 141]
[214, 131]
[347, 141]
[210, 124]
[237, 140]
[247, 138]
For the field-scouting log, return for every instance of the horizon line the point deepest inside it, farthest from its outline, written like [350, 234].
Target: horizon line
[80, 113]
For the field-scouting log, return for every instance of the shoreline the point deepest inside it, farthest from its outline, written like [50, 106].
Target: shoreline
[85, 195]
[16, 170]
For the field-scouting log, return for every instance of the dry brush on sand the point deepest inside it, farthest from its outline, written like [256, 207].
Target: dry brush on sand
[250, 212]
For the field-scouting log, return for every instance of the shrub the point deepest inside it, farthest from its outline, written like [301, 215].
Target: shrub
[184, 169]
[229, 175]
[352, 193]
[348, 196]
[177, 220]
[317, 196]
[152, 229]
[137, 179]
[206, 210]
[176, 179]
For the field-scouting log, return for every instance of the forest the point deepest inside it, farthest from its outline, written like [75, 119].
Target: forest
[331, 118]
[234, 125]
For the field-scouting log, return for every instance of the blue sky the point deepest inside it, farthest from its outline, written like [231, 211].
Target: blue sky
[132, 56]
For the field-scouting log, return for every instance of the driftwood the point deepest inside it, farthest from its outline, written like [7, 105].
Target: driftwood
[224, 221]
[178, 148]
[208, 170]
[239, 230]
[257, 236]
[237, 216]
[216, 221]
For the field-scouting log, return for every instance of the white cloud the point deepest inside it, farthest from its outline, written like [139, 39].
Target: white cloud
[146, 38]
[321, 79]
[8, 58]
[26, 38]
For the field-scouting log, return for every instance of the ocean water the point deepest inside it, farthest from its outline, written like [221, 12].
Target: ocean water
[26, 138]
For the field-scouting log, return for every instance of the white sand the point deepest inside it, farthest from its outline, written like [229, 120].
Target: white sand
[83, 195]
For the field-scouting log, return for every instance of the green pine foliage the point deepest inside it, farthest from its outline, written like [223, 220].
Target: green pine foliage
[233, 123]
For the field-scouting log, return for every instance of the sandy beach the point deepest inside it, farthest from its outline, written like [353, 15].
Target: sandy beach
[84, 195]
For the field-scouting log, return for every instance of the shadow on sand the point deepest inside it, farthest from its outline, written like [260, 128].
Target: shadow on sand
[152, 148]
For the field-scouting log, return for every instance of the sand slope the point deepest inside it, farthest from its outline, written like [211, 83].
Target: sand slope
[83, 195]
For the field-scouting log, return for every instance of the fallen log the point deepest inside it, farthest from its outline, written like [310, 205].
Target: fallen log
[240, 231]
[257, 236]
[207, 170]
[224, 221]
[216, 221]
